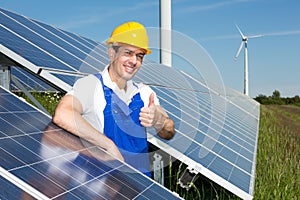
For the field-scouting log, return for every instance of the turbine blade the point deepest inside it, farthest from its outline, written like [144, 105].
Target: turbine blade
[255, 36]
[238, 52]
[243, 36]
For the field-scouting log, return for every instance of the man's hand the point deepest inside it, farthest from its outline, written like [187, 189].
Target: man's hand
[149, 115]
[114, 151]
[154, 115]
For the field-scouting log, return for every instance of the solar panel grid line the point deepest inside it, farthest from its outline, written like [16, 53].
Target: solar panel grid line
[83, 39]
[28, 78]
[63, 171]
[56, 45]
[17, 57]
[225, 97]
[193, 104]
[233, 164]
[196, 128]
[11, 123]
[34, 153]
[29, 42]
[87, 55]
[242, 147]
[141, 193]
[153, 74]
[47, 160]
[8, 174]
[26, 135]
[169, 81]
[234, 96]
[79, 42]
[45, 27]
[196, 166]
[250, 109]
[216, 155]
[36, 46]
[20, 81]
[95, 46]
[241, 127]
[84, 183]
[95, 178]
[58, 82]
[220, 95]
[81, 45]
[219, 113]
[22, 185]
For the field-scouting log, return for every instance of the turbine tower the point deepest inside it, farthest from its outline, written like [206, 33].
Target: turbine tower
[244, 42]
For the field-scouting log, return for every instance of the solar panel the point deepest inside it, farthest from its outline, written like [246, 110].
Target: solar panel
[41, 160]
[216, 130]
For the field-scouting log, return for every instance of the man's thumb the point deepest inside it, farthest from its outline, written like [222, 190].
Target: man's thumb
[151, 99]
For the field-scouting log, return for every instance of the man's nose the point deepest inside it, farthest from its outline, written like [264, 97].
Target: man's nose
[133, 58]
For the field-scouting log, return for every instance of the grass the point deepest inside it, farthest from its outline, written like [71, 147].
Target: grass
[278, 157]
[48, 100]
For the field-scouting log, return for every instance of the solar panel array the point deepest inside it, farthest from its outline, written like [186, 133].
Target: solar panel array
[216, 132]
[41, 160]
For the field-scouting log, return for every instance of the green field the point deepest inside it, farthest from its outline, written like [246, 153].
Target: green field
[278, 157]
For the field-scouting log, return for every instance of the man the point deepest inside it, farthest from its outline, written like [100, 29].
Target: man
[108, 109]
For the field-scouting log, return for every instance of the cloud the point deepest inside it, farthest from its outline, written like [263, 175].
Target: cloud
[194, 8]
[294, 32]
[226, 37]
[88, 18]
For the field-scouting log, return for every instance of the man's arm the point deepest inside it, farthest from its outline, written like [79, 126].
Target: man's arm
[155, 115]
[165, 126]
[68, 116]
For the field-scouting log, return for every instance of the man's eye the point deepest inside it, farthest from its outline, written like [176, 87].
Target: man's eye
[128, 53]
[140, 56]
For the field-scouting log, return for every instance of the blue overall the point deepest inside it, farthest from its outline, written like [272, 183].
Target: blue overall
[122, 126]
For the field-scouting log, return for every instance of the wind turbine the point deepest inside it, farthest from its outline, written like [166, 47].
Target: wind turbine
[244, 42]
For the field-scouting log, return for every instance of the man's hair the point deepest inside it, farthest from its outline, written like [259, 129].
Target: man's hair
[116, 48]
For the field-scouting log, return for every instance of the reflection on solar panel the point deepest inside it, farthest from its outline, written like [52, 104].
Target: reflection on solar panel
[45, 162]
[216, 133]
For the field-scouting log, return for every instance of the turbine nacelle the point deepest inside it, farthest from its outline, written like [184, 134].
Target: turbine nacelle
[244, 41]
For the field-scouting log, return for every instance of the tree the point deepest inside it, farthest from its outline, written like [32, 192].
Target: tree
[276, 94]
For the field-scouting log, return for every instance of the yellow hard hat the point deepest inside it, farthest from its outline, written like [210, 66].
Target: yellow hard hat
[132, 33]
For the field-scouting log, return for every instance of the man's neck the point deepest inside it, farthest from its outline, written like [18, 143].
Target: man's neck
[121, 83]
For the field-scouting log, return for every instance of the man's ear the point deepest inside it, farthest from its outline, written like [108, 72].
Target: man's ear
[111, 53]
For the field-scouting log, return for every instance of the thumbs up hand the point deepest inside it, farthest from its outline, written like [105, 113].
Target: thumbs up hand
[151, 100]
[148, 115]
[153, 115]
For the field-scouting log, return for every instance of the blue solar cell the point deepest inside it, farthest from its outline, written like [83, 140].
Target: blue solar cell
[10, 191]
[40, 41]
[68, 78]
[28, 51]
[29, 81]
[39, 157]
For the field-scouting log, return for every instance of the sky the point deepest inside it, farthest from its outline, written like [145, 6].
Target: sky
[274, 59]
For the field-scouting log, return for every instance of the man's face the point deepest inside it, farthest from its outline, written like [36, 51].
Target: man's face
[126, 60]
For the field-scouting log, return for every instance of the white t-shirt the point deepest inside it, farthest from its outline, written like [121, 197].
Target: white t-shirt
[88, 90]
